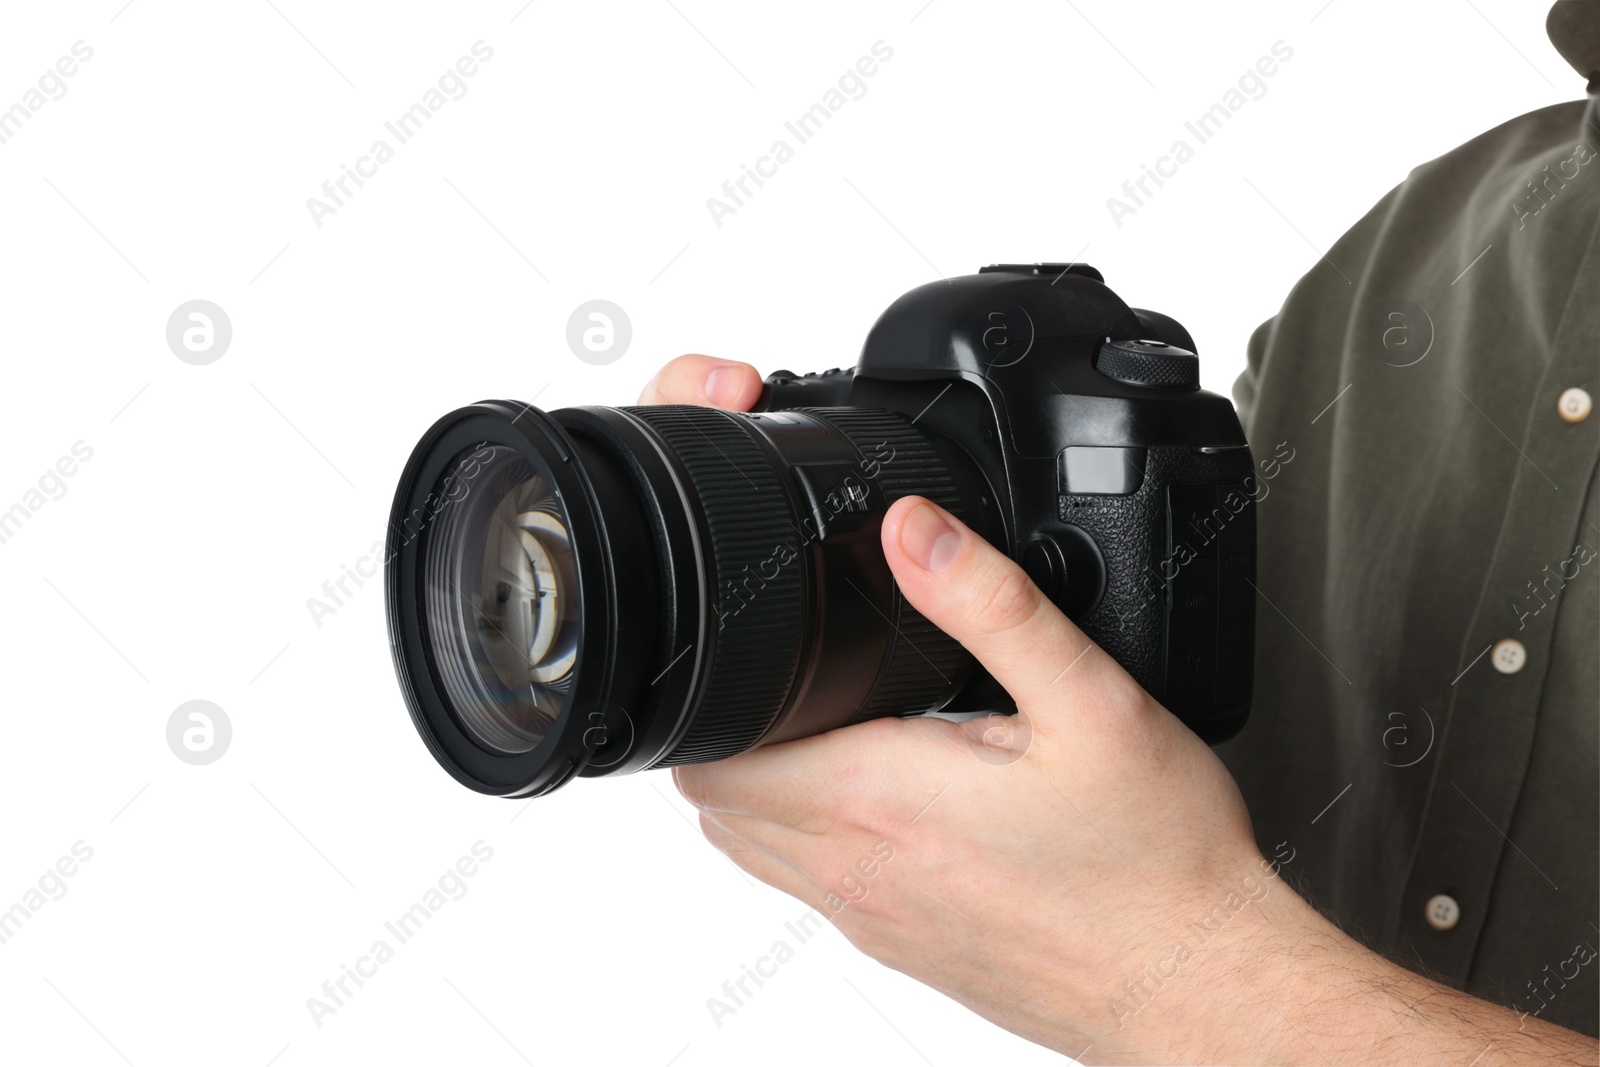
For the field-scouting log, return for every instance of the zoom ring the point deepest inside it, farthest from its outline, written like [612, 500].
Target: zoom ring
[759, 633]
[924, 659]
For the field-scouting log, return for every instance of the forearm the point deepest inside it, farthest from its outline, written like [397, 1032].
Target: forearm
[1295, 989]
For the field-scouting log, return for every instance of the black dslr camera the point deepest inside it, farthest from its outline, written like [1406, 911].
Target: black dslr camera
[601, 590]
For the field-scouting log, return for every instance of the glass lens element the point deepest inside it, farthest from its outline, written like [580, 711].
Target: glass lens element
[502, 601]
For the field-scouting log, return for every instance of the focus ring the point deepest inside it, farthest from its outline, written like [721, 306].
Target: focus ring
[924, 658]
[756, 650]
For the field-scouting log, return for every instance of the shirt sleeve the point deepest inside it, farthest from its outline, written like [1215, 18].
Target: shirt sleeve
[1245, 386]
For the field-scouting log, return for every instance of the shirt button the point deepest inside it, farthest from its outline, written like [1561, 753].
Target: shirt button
[1575, 405]
[1443, 912]
[1508, 656]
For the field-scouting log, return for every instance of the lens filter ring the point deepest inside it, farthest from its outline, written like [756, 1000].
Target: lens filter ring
[453, 651]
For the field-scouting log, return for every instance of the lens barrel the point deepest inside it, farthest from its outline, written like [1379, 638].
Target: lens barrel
[601, 590]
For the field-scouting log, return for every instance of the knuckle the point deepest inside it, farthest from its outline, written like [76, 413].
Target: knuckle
[1008, 600]
[868, 939]
[872, 734]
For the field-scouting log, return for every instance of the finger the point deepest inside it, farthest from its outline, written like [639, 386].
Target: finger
[982, 598]
[788, 783]
[718, 383]
[803, 850]
[809, 784]
[773, 870]
[836, 863]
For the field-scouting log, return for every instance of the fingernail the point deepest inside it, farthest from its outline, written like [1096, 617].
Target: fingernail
[722, 386]
[928, 538]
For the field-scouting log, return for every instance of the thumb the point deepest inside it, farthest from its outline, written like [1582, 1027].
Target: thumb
[979, 596]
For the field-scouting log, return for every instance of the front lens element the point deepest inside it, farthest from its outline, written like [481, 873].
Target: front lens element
[501, 599]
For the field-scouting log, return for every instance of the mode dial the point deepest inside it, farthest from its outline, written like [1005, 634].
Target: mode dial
[1151, 364]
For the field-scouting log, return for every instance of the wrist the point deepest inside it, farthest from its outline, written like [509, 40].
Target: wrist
[1246, 972]
[1288, 983]
[1294, 988]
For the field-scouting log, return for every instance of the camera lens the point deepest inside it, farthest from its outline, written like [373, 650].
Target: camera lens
[603, 590]
[502, 608]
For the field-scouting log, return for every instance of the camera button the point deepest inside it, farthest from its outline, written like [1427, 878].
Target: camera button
[1150, 365]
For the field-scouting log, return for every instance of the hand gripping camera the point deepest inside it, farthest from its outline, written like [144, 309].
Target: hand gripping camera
[599, 590]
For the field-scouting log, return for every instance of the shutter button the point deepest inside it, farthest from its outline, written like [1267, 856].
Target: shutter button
[1508, 656]
[1443, 912]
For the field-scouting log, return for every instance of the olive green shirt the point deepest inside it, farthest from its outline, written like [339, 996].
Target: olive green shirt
[1428, 622]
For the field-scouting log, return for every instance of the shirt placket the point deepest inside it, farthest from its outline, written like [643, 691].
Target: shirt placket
[1488, 737]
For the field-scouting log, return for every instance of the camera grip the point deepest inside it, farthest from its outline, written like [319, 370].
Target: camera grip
[1179, 609]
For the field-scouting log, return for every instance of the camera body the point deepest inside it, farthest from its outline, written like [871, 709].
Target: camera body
[1121, 487]
[601, 590]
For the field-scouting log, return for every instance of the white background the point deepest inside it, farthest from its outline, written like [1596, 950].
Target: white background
[219, 498]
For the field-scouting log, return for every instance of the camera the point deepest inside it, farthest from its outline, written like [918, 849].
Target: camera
[601, 590]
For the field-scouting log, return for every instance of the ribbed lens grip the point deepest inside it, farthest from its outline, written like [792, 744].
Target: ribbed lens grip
[749, 514]
[925, 659]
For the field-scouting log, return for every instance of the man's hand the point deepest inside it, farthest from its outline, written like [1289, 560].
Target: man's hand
[1083, 874]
